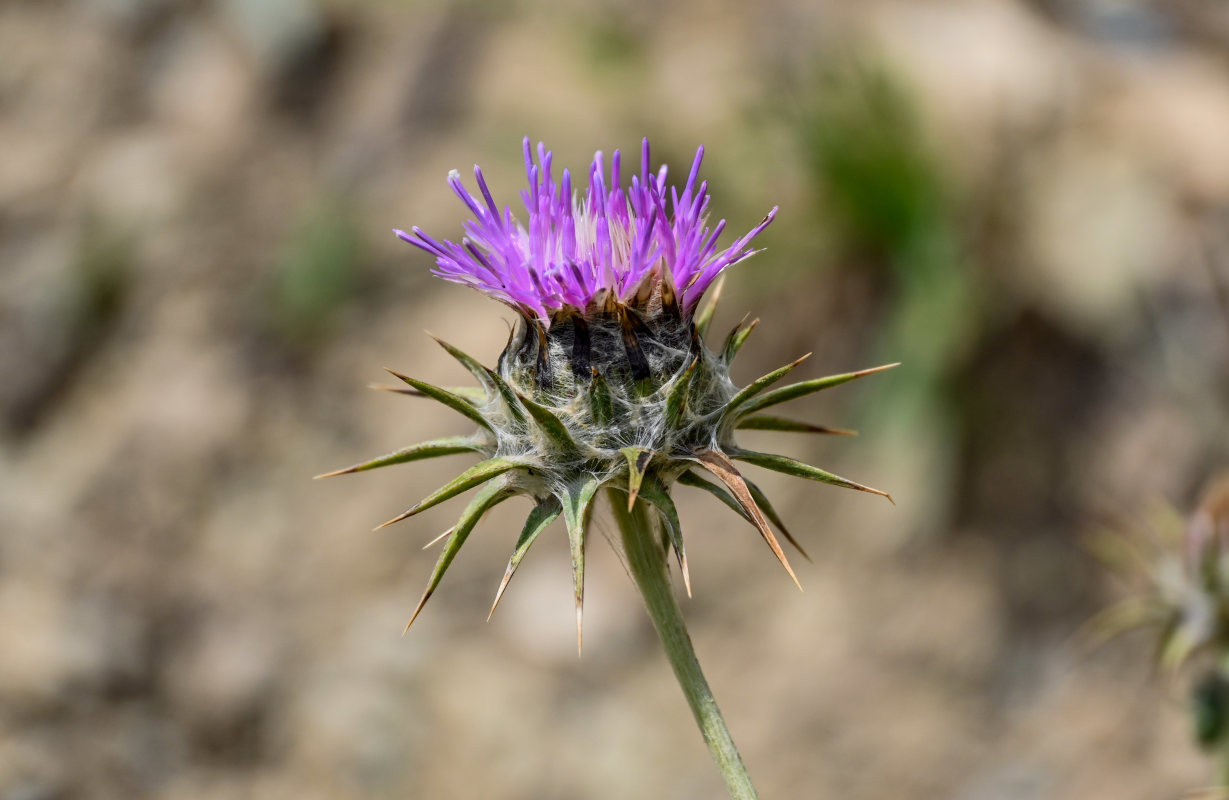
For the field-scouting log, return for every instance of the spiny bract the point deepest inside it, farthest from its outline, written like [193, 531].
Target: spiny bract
[606, 379]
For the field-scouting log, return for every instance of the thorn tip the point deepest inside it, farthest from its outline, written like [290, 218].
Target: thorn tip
[396, 519]
[580, 631]
[443, 535]
[499, 593]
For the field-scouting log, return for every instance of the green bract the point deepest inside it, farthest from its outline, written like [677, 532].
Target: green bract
[622, 395]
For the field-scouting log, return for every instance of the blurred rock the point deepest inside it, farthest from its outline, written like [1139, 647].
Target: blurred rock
[41, 655]
[979, 69]
[131, 181]
[1101, 231]
[222, 682]
[1173, 113]
[199, 86]
[130, 16]
[276, 30]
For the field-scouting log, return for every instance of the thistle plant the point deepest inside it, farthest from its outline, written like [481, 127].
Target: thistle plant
[606, 383]
[1185, 567]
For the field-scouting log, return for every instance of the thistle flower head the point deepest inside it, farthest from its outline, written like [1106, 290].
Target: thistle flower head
[1199, 590]
[1206, 539]
[606, 380]
[580, 248]
[1185, 563]
[1186, 566]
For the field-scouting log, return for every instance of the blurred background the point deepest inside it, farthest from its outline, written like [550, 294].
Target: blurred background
[1025, 202]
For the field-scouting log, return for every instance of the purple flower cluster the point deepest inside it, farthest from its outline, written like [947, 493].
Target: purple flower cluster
[613, 237]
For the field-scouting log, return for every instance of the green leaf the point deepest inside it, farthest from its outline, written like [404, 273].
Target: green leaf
[601, 403]
[474, 394]
[511, 401]
[491, 495]
[492, 382]
[762, 501]
[657, 495]
[543, 514]
[577, 503]
[760, 384]
[764, 422]
[479, 473]
[453, 401]
[637, 462]
[789, 466]
[550, 425]
[705, 318]
[738, 341]
[469, 362]
[736, 338]
[432, 449]
[786, 393]
[676, 400]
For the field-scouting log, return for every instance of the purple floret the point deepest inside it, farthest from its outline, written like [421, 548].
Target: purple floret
[611, 237]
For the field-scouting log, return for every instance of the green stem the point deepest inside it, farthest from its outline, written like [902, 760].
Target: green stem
[1222, 769]
[647, 562]
[1218, 681]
